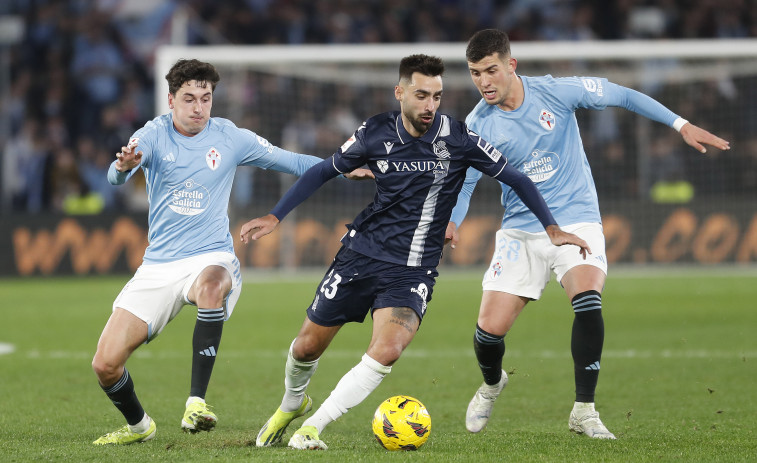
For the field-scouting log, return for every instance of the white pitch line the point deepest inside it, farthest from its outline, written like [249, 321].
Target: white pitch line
[413, 353]
[6, 348]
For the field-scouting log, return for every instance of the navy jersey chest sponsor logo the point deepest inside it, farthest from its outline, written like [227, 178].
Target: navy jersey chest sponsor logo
[412, 166]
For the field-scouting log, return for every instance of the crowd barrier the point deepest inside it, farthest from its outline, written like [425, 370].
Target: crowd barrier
[711, 233]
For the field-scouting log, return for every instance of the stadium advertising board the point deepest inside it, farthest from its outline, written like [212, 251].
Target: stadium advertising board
[646, 234]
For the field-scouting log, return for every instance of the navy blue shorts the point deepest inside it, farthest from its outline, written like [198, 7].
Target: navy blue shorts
[356, 284]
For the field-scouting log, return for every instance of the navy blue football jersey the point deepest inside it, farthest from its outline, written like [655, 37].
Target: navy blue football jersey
[417, 183]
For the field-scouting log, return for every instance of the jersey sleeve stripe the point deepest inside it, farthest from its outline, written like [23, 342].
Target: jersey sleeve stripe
[333, 163]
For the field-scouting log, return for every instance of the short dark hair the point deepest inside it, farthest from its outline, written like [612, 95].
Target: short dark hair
[191, 69]
[423, 64]
[487, 42]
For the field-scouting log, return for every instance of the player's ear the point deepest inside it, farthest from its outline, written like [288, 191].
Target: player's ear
[398, 92]
[170, 101]
[513, 64]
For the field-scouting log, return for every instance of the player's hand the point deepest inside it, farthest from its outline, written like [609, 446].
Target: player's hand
[258, 228]
[451, 236]
[561, 238]
[694, 136]
[128, 158]
[360, 174]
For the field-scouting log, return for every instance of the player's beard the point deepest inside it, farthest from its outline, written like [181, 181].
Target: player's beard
[419, 125]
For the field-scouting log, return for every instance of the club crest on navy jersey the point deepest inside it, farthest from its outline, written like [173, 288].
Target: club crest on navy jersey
[213, 158]
[383, 165]
[440, 150]
[547, 119]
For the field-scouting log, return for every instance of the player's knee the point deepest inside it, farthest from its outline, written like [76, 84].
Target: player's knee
[211, 293]
[107, 372]
[386, 353]
[306, 349]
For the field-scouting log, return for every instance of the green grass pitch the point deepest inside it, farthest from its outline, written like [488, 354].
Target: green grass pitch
[678, 380]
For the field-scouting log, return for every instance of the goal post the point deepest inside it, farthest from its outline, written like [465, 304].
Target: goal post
[278, 56]
[662, 202]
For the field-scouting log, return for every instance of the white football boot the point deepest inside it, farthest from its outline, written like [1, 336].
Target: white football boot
[585, 420]
[480, 406]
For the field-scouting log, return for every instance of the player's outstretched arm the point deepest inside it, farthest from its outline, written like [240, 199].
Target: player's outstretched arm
[561, 238]
[258, 228]
[697, 137]
[306, 185]
[650, 108]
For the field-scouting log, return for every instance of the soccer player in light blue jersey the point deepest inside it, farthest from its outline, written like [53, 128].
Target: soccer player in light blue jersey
[189, 159]
[532, 121]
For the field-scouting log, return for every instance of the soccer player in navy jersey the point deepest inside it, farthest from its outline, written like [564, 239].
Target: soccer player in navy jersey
[387, 264]
[189, 160]
[532, 120]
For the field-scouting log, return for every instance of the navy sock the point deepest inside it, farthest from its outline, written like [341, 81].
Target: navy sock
[205, 343]
[489, 350]
[586, 343]
[125, 399]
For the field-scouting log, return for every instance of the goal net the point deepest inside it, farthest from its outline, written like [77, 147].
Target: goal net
[661, 201]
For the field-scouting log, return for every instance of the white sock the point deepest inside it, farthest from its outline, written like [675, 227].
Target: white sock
[142, 426]
[583, 407]
[296, 379]
[352, 389]
[194, 399]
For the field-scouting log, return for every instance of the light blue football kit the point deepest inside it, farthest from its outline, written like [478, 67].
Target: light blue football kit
[541, 139]
[189, 182]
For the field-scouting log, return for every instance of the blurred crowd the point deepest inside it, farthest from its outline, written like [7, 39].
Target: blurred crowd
[78, 79]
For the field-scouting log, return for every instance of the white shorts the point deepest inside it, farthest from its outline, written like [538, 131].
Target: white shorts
[157, 292]
[522, 261]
